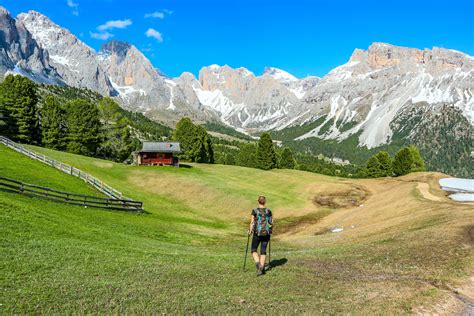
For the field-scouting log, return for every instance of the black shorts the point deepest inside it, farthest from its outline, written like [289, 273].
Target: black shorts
[256, 240]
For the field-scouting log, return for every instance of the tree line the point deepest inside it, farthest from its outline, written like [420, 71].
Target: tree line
[63, 121]
[406, 160]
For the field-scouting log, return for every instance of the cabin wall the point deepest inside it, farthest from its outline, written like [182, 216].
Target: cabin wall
[156, 159]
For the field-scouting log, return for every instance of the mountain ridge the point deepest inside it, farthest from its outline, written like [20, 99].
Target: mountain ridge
[369, 98]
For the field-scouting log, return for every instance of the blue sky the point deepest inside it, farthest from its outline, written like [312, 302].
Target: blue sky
[301, 37]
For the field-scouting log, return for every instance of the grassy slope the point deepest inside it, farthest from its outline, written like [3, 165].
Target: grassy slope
[186, 254]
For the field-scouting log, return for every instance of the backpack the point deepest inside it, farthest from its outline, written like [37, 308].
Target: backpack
[263, 224]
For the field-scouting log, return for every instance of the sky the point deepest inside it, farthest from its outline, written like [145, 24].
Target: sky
[302, 37]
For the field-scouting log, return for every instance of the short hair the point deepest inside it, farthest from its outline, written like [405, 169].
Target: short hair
[262, 200]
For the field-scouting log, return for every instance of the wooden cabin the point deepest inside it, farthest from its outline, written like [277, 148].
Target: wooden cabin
[159, 154]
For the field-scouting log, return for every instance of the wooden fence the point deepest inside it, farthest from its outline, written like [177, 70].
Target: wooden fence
[96, 183]
[67, 197]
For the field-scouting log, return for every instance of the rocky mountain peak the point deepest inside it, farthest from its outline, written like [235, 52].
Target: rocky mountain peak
[279, 75]
[4, 11]
[116, 47]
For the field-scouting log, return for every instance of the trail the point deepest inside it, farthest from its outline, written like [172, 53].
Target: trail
[424, 189]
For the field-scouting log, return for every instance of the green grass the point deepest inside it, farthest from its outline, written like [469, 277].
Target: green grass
[185, 254]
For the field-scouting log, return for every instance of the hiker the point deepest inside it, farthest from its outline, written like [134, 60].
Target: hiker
[261, 228]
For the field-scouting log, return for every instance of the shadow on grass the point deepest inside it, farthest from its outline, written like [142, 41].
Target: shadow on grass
[182, 165]
[277, 262]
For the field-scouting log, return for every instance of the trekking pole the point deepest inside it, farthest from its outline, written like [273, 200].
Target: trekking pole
[270, 254]
[246, 252]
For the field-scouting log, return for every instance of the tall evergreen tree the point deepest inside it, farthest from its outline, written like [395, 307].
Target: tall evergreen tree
[246, 156]
[117, 141]
[18, 99]
[386, 164]
[266, 156]
[186, 134]
[84, 127]
[287, 160]
[196, 144]
[229, 159]
[374, 169]
[53, 123]
[418, 163]
[402, 162]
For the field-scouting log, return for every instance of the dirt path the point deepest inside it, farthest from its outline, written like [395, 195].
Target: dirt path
[424, 189]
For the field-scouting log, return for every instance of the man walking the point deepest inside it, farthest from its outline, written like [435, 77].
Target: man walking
[261, 228]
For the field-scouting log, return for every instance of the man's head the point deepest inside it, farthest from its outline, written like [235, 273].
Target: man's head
[262, 200]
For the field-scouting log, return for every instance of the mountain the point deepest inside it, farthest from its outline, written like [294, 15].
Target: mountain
[384, 96]
[20, 53]
[75, 62]
[375, 87]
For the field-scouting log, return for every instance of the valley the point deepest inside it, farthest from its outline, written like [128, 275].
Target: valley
[399, 251]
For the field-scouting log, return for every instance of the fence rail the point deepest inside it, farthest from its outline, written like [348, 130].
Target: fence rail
[68, 197]
[96, 183]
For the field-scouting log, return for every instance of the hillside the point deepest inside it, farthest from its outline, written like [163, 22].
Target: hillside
[399, 248]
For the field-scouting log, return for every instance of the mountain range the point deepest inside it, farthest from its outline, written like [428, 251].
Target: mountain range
[381, 95]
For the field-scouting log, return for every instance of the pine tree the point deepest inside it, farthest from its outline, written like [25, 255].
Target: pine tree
[402, 162]
[266, 156]
[84, 127]
[203, 148]
[186, 134]
[287, 160]
[246, 156]
[18, 99]
[374, 168]
[386, 164]
[117, 142]
[418, 163]
[53, 124]
[229, 159]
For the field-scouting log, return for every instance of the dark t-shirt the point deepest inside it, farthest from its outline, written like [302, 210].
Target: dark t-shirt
[254, 214]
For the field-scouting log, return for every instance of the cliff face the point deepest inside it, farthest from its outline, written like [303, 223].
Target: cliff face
[20, 53]
[74, 61]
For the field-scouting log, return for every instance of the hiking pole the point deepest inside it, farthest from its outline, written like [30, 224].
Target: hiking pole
[270, 254]
[246, 252]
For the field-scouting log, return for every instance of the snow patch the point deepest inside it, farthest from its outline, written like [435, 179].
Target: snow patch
[299, 92]
[60, 60]
[171, 84]
[126, 91]
[280, 75]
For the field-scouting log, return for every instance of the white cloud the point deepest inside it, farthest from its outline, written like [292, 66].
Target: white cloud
[169, 12]
[155, 34]
[101, 35]
[117, 24]
[74, 6]
[157, 14]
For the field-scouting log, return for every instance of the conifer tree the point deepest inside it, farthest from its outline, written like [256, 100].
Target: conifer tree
[229, 159]
[402, 162]
[287, 160]
[374, 167]
[266, 156]
[386, 164]
[53, 124]
[84, 127]
[186, 133]
[117, 140]
[418, 163]
[246, 156]
[196, 144]
[18, 101]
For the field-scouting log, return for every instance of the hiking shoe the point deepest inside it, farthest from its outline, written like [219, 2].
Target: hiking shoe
[259, 270]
